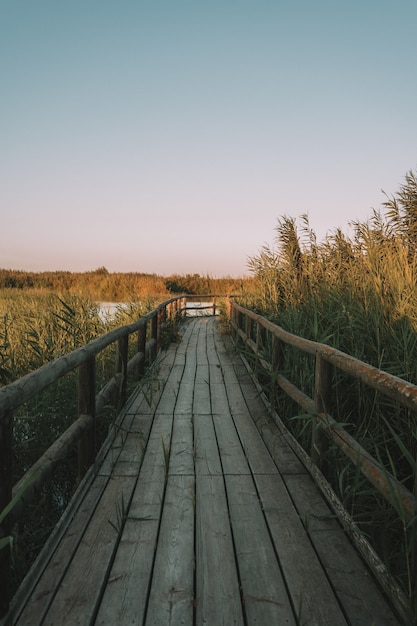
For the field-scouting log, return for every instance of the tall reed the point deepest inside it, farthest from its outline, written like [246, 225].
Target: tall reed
[358, 294]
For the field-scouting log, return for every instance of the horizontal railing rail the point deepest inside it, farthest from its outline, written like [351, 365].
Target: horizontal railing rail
[258, 333]
[15, 498]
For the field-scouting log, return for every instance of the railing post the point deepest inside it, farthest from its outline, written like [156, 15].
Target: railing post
[214, 305]
[260, 343]
[229, 309]
[87, 406]
[141, 345]
[259, 338]
[121, 366]
[6, 484]
[248, 327]
[239, 322]
[322, 402]
[277, 358]
[236, 319]
[154, 335]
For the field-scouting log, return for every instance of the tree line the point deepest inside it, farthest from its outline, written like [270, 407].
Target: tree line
[103, 285]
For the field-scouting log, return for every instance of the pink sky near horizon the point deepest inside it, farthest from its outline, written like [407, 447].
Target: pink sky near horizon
[170, 137]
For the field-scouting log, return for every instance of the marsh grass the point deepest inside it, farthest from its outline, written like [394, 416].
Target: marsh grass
[357, 294]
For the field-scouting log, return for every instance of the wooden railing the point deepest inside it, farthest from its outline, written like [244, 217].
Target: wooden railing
[256, 333]
[146, 331]
[267, 342]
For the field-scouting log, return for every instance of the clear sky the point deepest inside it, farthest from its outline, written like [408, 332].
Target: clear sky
[168, 136]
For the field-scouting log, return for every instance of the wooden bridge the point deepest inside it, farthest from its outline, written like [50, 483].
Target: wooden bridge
[200, 509]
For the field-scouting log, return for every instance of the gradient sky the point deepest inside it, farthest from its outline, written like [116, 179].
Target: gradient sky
[169, 136]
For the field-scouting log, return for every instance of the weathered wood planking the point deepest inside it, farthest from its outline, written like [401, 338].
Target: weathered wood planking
[201, 513]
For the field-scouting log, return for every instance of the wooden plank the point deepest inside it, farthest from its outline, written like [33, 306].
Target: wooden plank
[126, 594]
[131, 454]
[232, 456]
[211, 348]
[181, 459]
[81, 588]
[264, 592]
[100, 540]
[281, 452]
[171, 598]
[202, 399]
[253, 399]
[216, 374]
[228, 370]
[175, 372]
[207, 460]
[219, 399]
[168, 397]
[126, 451]
[159, 445]
[51, 578]
[75, 576]
[310, 591]
[218, 599]
[185, 398]
[236, 398]
[202, 374]
[357, 591]
[256, 451]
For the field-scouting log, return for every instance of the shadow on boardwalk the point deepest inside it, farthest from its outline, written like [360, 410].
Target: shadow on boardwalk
[199, 513]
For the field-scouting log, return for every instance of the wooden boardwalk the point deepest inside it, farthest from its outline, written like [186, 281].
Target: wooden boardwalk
[199, 513]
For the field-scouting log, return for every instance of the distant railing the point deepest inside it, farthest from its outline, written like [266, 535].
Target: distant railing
[201, 304]
[147, 331]
[262, 337]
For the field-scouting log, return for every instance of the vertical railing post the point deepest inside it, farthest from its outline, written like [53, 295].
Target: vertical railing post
[239, 321]
[277, 357]
[248, 327]
[87, 406]
[214, 305]
[141, 346]
[154, 335]
[236, 319]
[322, 402]
[260, 343]
[6, 484]
[161, 319]
[121, 367]
[259, 338]
[230, 315]
[229, 309]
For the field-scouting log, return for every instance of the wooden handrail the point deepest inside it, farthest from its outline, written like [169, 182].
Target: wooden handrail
[148, 329]
[403, 392]
[325, 427]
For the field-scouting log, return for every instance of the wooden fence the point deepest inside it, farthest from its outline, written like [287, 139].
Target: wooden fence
[267, 342]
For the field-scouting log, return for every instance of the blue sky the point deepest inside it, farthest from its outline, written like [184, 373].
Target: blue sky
[169, 136]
